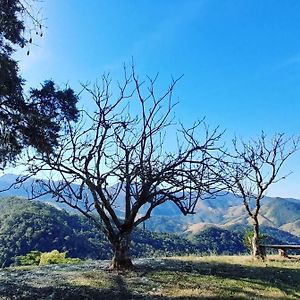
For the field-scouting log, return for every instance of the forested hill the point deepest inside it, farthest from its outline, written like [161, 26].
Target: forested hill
[33, 225]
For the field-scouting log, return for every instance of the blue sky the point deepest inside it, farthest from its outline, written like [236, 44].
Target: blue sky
[240, 59]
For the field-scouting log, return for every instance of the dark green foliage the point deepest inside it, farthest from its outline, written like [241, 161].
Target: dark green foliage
[11, 25]
[33, 120]
[220, 241]
[147, 243]
[30, 259]
[27, 226]
[269, 235]
[47, 110]
[35, 258]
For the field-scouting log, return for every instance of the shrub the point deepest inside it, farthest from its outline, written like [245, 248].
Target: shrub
[248, 239]
[30, 259]
[56, 257]
[46, 258]
[53, 257]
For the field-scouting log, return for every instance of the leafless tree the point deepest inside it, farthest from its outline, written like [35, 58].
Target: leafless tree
[126, 158]
[255, 166]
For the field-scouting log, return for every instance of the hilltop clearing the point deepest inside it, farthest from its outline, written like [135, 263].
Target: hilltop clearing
[213, 277]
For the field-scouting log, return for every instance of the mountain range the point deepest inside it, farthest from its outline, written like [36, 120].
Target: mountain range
[224, 211]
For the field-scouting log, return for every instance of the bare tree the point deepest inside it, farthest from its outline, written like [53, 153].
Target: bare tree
[115, 166]
[255, 166]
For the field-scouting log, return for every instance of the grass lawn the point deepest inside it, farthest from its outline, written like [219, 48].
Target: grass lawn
[210, 277]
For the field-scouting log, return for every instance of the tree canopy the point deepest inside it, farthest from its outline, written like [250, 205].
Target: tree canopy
[34, 119]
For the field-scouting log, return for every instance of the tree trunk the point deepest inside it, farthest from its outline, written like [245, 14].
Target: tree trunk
[121, 259]
[257, 251]
[282, 252]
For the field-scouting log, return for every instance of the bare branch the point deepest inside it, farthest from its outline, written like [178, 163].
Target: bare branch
[111, 144]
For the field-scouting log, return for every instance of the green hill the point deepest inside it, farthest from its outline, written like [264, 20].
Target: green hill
[32, 225]
[26, 226]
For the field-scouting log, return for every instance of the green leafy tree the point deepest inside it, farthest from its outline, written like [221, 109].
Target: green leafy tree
[33, 119]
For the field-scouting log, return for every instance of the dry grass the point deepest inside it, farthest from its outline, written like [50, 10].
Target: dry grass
[191, 277]
[246, 260]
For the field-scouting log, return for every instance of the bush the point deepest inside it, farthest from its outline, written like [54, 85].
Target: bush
[46, 258]
[30, 259]
[248, 239]
[53, 257]
[56, 257]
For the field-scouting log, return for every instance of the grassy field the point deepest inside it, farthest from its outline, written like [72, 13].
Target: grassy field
[211, 277]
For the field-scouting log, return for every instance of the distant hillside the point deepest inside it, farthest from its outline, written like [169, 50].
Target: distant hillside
[31, 225]
[280, 213]
[275, 236]
[26, 226]
[227, 210]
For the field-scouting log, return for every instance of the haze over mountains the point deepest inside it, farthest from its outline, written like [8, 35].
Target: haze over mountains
[224, 211]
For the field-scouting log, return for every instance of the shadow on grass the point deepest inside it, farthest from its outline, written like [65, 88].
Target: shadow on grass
[285, 279]
[123, 285]
[28, 292]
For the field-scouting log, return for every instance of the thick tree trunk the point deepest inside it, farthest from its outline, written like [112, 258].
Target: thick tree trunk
[258, 252]
[121, 259]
